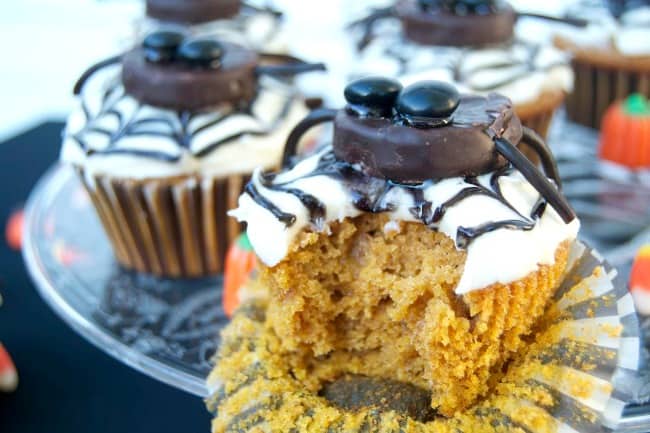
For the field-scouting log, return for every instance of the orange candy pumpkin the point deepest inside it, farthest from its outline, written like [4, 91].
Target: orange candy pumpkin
[625, 133]
[240, 264]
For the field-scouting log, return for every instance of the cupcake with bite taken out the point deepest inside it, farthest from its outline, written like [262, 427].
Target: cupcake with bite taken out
[420, 246]
[164, 138]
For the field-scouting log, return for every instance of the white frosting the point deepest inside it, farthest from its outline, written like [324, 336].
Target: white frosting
[534, 69]
[630, 34]
[501, 256]
[138, 128]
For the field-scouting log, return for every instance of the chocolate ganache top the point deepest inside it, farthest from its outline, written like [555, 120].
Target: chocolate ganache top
[456, 22]
[407, 148]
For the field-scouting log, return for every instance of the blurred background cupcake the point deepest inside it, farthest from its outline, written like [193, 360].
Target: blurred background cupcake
[253, 24]
[164, 138]
[611, 54]
[470, 44]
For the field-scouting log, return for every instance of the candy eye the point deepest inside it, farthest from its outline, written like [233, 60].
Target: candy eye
[160, 47]
[427, 103]
[466, 7]
[373, 96]
[427, 5]
[201, 53]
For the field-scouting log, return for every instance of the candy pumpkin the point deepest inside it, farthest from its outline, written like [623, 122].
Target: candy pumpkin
[240, 265]
[625, 133]
[8, 375]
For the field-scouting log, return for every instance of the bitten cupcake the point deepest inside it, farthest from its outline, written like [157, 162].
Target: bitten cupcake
[420, 246]
[241, 22]
[471, 44]
[611, 56]
[165, 137]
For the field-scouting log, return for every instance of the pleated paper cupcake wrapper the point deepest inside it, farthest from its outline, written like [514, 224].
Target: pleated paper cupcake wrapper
[566, 381]
[596, 88]
[169, 228]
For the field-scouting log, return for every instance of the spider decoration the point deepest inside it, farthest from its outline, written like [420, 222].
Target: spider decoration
[172, 71]
[457, 8]
[383, 122]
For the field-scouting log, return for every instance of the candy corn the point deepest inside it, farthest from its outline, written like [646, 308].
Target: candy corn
[640, 280]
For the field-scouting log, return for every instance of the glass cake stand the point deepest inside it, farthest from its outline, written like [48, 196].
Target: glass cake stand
[169, 329]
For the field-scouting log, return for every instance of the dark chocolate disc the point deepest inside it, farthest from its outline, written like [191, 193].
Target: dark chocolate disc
[192, 11]
[469, 23]
[464, 147]
[179, 86]
[372, 95]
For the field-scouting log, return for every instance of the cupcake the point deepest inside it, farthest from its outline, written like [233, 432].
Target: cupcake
[611, 56]
[258, 27]
[471, 44]
[165, 137]
[422, 276]
[422, 225]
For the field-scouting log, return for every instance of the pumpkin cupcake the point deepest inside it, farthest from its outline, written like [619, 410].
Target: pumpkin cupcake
[471, 44]
[420, 246]
[611, 56]
[165, 137]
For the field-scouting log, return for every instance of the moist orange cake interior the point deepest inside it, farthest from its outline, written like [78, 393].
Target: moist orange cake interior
[375, 297]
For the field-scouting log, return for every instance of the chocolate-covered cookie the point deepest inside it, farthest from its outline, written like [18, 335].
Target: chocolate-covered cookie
[192, 74]
[432, 133]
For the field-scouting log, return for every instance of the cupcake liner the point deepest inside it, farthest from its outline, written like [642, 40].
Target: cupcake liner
[572, 377]
[538, 117]
[598, 86]
[168, 227]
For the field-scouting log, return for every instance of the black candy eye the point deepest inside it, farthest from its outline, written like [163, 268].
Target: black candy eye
[201, 53]
[474, 7]
[160, 47]
[373, 96]
[427, 103]
[427, 5]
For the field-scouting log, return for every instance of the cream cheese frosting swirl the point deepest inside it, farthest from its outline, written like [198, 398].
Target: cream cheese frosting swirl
[110, 132]
[519, 69]
[501, 221]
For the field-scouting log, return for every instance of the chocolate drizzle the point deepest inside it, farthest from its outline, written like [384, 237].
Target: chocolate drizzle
[374, 195]
[180, 127]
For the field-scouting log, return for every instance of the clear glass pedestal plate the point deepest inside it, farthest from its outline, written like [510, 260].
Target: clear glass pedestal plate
[169, 329]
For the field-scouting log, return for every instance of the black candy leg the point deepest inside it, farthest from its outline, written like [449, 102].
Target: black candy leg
[314, 118]
[537, 144]
[536, 178]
